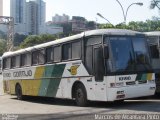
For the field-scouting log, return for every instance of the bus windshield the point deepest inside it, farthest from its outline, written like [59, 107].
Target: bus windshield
[129, 54]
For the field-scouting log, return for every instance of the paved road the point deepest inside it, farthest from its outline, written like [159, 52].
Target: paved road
[48, 108]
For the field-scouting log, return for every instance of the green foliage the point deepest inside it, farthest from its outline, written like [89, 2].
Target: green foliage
[2, 35]
[148, 25]
[155, 4]
[103, 26]
[37, 39]
[90, 25]
[67, 28]
[18, 39]
[2, 46]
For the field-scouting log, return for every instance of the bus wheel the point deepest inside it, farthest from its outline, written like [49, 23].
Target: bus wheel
[81, 96]
[19, 92]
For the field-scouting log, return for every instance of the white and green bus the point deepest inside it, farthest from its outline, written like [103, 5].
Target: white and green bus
[153, 39]
[97, 65]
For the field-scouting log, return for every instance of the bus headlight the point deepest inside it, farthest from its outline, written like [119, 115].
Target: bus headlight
[120, 84]
[116, 84]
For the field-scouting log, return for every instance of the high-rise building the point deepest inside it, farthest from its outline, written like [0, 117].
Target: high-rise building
[36, 10]
[60, 19]
[18, 12]
[1, 7]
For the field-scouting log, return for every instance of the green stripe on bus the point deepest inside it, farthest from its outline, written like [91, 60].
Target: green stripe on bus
[45, 82]
[144, 77]
[54, 83]
[139, 76]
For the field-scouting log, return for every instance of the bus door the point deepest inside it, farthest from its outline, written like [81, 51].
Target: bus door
[98, 63]
[98, 68]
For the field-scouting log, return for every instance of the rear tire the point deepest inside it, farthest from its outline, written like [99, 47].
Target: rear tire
[81, 95]
[19, 92]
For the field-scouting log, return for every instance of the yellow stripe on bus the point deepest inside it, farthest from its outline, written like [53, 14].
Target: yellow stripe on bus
[149, 76]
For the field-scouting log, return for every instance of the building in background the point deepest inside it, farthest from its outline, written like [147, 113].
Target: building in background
[18, 12]
[1, 7]
[36, 14]
[51, 29]
[60, 19]
[78, 24]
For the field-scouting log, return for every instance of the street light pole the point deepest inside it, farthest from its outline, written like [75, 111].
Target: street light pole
[125, 14]
[140, 4]
[122, 9]
[104, 18]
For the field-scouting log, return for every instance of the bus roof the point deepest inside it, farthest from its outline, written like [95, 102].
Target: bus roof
[74, 37]
[153, 33]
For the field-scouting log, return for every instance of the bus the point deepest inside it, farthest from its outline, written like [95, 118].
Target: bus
[96, 65]
[153, 39]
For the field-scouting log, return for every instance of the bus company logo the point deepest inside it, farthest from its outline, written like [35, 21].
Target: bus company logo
[73, 69]
[124, 78]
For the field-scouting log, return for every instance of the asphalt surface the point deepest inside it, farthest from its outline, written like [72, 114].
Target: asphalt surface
[39, 108]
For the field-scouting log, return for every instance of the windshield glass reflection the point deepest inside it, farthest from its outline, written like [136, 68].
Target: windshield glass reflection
[128, 54]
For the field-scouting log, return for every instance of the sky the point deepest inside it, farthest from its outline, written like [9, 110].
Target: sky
[110, 9]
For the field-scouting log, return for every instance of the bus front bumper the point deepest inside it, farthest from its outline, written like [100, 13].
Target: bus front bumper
[120, 93]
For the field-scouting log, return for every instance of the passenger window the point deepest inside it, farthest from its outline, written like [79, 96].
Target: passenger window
[49, 55]
[56, 53]
[35, 58]
[23, 60]
[6, 63]
[66, 51]
[13, 62]
[76, 50]
[41, 57]
[18, 61]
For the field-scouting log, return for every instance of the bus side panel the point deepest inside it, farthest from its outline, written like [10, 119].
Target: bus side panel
[12, 84]
[75, 72]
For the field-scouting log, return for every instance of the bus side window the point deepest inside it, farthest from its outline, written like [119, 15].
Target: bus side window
[76, 50]
[57, 53]
[66, 51]
[13, 62]
[25, 59]
[35, 58]
[6, 63]
[18, 61]
[49, 55]
[154, 51]
[38, 57]
[41, 57]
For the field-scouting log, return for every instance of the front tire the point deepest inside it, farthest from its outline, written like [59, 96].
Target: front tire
[81, 95]
[19, 92]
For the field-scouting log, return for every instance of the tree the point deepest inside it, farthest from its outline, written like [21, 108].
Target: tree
[90, 25]
[2, 46]
[148, 25]
[154, 4]
[19, 38]
[2, 35]
[37, 39]
[103, 26]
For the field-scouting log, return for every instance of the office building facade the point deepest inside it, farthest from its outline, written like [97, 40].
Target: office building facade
[18, 12]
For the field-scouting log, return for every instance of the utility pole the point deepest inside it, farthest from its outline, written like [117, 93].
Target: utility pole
[9, 21]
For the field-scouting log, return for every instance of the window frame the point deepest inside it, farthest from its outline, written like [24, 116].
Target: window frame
[38, 53]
